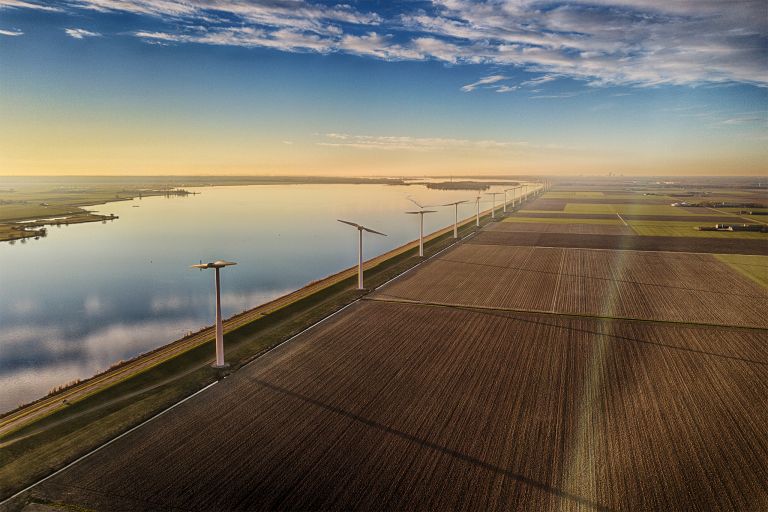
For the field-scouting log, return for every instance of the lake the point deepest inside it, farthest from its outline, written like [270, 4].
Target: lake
[89, 295]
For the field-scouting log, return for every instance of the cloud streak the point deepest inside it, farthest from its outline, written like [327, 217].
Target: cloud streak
[80, 33]
[388, 142]
[483, 81]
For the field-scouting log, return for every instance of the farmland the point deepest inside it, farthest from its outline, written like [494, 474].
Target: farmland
[551, 361]
[597, 227]
[512, 411]
[618, 242]
[695, 288]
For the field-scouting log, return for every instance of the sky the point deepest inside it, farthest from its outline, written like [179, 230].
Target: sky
[384, 88]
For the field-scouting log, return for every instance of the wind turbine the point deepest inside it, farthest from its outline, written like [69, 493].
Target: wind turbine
[477, 215]
[505, 198]
[514, 202]
[421, 213]
[456, 218]
[493, 210]
[218, 265]
[360, 230]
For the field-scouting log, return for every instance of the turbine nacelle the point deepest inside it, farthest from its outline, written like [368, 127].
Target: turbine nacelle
[214, 264]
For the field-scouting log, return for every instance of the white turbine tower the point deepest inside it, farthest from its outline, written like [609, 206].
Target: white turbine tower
[456, 217]
[514, 202]
[420, 213]
[493, 209]
[477, 215]
[360, 230]
[218, 265]
[505, 198]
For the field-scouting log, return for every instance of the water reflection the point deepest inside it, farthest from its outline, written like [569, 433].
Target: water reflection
[89, 295]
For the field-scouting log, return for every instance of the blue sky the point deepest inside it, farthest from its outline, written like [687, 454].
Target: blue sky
[240, 87]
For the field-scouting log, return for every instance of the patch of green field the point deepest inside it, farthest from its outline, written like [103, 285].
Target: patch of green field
[541, 211]
[689, 231]
[560, 220]
[753, 267]
[737, 210]
[684, 222]
[626, 209]
[573, 195]
[22, 211]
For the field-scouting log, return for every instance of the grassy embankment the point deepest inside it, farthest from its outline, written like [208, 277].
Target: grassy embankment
[41, 447]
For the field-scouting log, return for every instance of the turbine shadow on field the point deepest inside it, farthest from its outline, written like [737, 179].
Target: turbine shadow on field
[433, 446]
[511, 315]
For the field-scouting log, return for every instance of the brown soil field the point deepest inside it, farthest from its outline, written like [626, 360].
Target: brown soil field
[547, 204]
[405, 407]
[630, 199]
[696, 288]
[676, 218]
[591, 229]
[634, 243]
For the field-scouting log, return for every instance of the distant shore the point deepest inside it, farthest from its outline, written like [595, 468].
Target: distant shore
[28, 205]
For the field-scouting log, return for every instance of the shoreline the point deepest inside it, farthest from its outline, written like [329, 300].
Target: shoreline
[35, 206]
[43, 436]
[204, 335]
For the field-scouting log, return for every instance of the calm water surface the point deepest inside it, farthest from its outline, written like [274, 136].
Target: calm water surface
[92, 294]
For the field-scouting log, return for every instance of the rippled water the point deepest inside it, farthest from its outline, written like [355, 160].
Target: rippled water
[92, 294]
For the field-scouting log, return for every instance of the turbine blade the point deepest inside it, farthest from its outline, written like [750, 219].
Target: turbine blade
[374, 231]
[415, 202]
[350, 223]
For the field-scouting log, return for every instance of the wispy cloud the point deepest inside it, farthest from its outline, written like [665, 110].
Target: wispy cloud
[80, 33]
[602, 42]
[11, 33]
[28, 5]
[389, 142]
[483, 81]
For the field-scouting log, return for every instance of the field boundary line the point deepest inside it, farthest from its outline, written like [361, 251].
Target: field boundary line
[396, 300]
[623, 250]
[98, 448]
[737, 216]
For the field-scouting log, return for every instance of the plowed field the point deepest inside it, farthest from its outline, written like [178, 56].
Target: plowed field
[695, 288]
[635, 243]
[406, 407]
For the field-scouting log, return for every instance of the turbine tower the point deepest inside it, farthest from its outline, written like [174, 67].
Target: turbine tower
[360, 230]
[505, 198]
[514, 202]
[477, 215]
[456, 217]
[218, 265]
[421, 213]
[493, 209]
